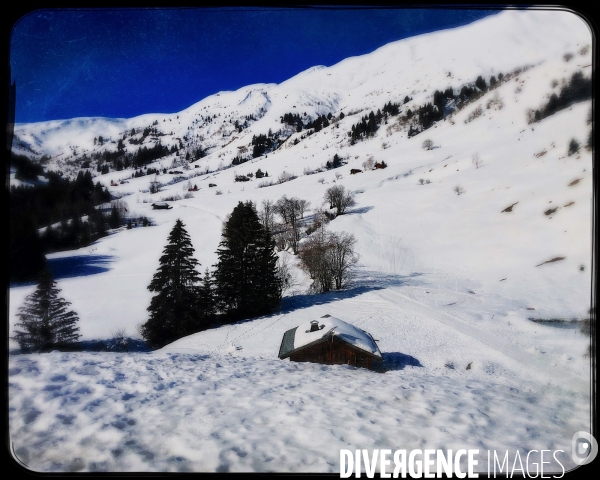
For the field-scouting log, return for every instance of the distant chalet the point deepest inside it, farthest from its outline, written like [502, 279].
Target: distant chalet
[331, 341]
[161, 206]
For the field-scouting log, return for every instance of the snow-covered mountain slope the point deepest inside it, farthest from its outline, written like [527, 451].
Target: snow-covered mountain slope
[414, 67]
[448, 283]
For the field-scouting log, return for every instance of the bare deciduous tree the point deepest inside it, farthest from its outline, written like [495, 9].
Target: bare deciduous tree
[476, 159]
[291, 210]
[267, 215]
[341, 257]
[427, 144]
[328, 259]
[302, 206]
[339, 198]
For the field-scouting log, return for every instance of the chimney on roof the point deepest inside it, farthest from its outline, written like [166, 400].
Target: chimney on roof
[314, 325]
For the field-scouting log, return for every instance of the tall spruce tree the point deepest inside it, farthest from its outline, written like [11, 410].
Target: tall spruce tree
[44, 319]
[174, 309]
[246, 282]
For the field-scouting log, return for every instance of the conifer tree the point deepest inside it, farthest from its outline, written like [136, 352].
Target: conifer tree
[480, 83]
[45, 323]
[173, 310]
[246, 274]
[206, 298]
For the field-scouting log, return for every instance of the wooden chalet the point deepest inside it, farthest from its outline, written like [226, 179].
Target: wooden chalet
[161, 206]
[331, 341]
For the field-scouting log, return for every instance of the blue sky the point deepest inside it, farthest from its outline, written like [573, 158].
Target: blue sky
[121, 63]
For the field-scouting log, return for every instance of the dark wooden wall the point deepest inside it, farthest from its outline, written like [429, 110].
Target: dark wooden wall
[333, 352]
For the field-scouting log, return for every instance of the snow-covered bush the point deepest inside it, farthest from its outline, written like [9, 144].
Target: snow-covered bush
[286, 177]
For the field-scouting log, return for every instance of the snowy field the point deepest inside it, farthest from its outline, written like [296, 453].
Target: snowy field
[171, 412]
[448, 284]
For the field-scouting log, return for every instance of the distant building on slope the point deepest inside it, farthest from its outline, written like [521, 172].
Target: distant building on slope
[331, 341]
[161, 206]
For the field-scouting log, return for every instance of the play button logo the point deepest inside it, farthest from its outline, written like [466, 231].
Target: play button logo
[583, 448]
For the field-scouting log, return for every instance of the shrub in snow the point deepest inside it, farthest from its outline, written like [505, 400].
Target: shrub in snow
[286, 177]
[427, 144]
[477, 112]
[573, 147]
[458, 190]
[266, 183]
[368, 164]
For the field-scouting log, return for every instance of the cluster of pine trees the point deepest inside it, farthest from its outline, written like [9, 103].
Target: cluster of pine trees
[120, 159]
[366, 128]
[262, 144]
[75, 233]
[577, 89]
[392, 109]
[149, 171]
[58, 200]
[238, 160]
[145, 155]
[426, 115]
[336, 162]
[319, 123]
[245, 282]
[294, 120]
[25, 169]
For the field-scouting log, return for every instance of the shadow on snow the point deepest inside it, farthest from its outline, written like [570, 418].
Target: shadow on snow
[396, 361]
[78, 266]
[362, 283]
[358, 210]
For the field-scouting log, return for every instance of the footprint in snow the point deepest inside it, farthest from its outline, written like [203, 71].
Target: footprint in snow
[30, 416]
[66, 419]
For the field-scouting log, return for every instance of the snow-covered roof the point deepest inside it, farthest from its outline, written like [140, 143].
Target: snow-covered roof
[305, 335]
